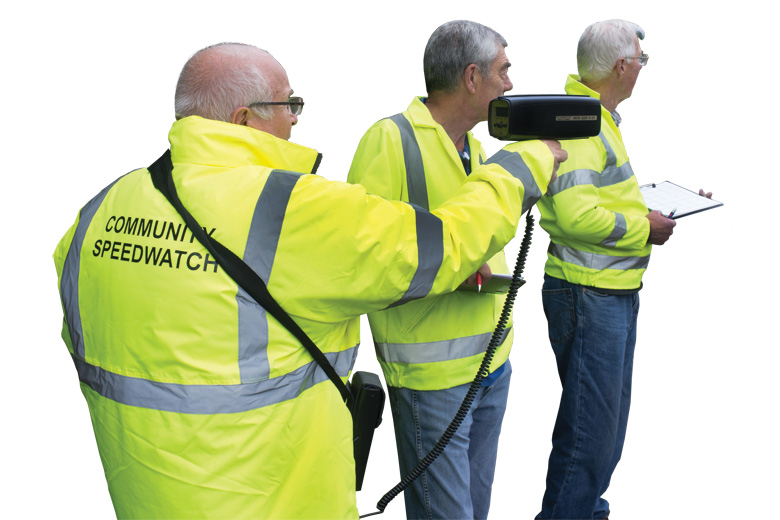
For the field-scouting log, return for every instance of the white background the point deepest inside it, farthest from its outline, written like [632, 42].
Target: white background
[88, 95]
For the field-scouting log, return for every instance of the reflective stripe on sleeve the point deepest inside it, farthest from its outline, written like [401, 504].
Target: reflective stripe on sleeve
[571, 179]
[415, 171]
[611, 175]
[513, 163]
[261, 245]
[69, 284]
[210, 399]
[435, 351]
[597, 261]
[618, 231]
[430, 253]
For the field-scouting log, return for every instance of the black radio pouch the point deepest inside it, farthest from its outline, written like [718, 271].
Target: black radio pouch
[365, 398]
[369, 398]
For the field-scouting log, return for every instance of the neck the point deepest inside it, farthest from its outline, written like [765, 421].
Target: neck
[608, 95]
[452, 114]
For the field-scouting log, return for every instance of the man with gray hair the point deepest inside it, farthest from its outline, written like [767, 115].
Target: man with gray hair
[600, 239]
[430, 350]
[203, 404]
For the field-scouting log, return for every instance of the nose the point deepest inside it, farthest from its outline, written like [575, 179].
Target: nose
[507, 84]
[293, 119]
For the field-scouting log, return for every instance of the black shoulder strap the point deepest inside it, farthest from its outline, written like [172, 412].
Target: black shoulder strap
[239, 271]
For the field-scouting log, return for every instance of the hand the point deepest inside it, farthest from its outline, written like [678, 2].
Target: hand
[707, 194]
[661, 228]
[560, 155]
[486, 273]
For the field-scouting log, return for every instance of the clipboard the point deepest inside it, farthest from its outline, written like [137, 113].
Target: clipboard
[668, 196]
[498, 284]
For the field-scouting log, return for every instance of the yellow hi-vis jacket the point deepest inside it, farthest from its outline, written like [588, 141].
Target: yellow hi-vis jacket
[437, 342]
[202, 405]
[594, 212]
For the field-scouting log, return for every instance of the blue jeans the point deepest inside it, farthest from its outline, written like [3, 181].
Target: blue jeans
[458, 483]
[593, 337]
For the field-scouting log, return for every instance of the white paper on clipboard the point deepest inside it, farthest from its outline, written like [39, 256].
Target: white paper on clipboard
[668, 196]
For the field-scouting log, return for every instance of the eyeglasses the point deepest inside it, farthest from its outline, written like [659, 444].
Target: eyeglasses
[295, 104]
[643, 58]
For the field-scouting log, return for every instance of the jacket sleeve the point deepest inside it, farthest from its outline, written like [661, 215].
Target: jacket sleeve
[578, 208]
[356, 252]
[531, 162]
[60, 254]
[343, 252]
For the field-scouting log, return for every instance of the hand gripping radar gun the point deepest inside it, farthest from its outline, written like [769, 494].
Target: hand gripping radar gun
[514, 118]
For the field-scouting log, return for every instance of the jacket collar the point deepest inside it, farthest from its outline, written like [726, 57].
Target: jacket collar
[421, 116]
[575, 87]
[198, 140]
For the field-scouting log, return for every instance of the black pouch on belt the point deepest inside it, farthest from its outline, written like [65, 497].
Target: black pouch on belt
[369, 401]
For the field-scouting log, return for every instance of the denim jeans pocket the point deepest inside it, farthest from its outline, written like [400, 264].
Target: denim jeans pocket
[559, 308]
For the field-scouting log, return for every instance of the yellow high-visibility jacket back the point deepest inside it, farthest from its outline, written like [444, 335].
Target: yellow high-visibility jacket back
[202, 405]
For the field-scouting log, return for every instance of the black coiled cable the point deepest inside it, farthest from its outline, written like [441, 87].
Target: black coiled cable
[482, 372]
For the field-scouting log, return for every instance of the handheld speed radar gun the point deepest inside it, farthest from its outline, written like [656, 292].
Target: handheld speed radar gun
[549, 116]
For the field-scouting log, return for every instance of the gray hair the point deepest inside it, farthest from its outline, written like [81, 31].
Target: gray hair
[454, 46]
[219, 78]
[603, 44]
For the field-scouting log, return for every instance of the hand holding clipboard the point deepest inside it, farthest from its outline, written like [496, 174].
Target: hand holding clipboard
[667, 202]
[675, 201]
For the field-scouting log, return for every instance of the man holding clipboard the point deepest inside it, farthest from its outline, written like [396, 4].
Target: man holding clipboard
[601, 234]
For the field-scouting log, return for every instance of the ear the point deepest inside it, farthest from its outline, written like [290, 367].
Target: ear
[621, 66]
[240, 116]
[470, 78]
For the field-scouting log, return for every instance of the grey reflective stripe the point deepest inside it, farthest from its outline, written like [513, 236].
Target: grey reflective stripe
[415, 171]
[261, 245]
[571, 179]
[597, 261]
[435, 351]
[514, 164]
[611, 175]
[430, 253]
[69, 284]
[611, 157]
[618, 231]
[211, 399]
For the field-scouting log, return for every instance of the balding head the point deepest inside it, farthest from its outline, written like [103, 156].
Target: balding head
[217, 79]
